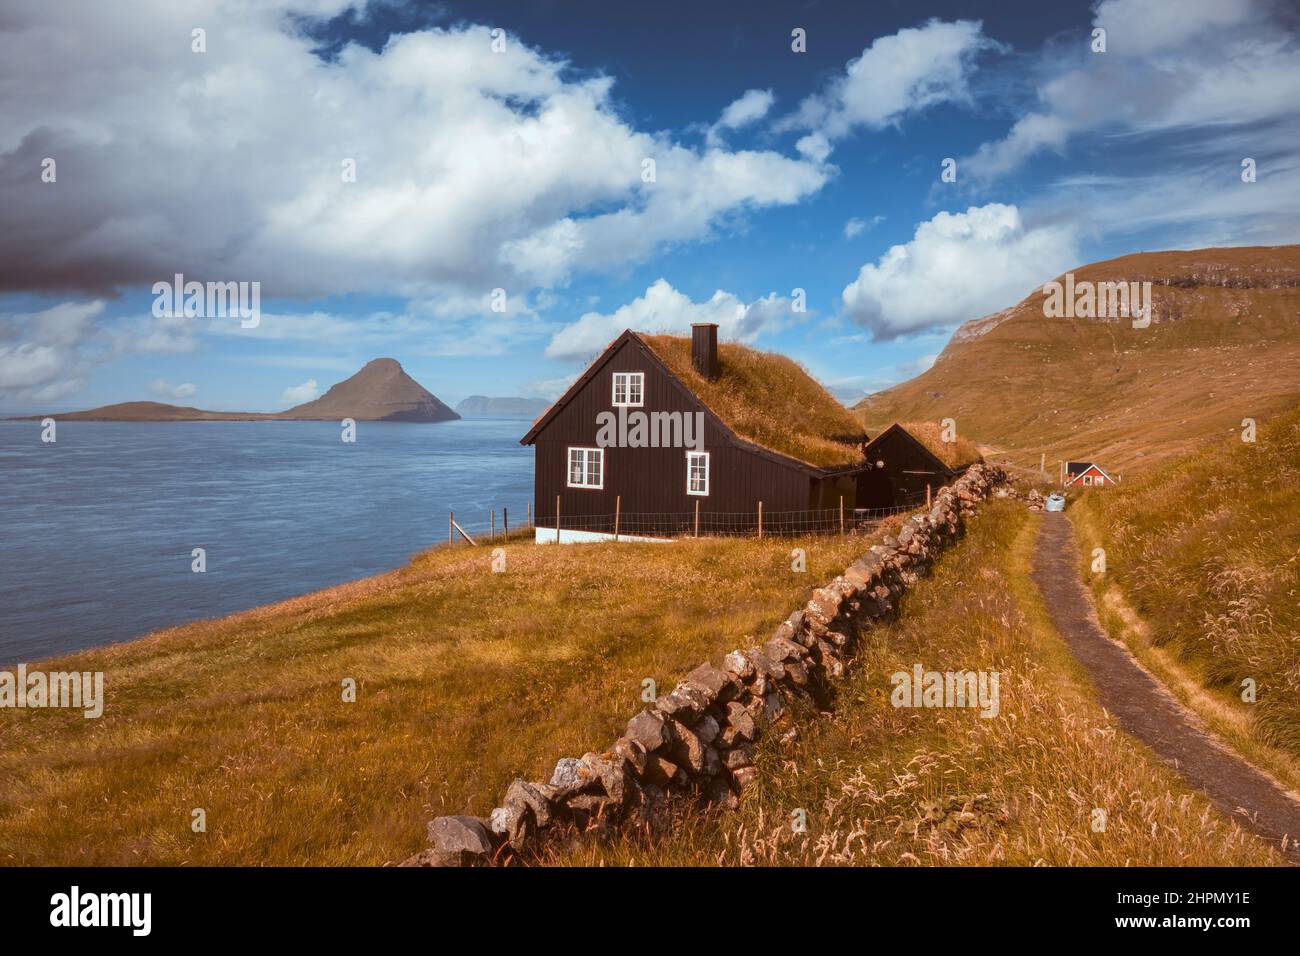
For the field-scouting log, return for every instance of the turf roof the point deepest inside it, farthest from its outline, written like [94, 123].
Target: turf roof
[769, 400]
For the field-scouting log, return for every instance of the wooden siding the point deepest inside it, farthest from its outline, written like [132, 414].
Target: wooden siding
[1099, 479]
[908, 467]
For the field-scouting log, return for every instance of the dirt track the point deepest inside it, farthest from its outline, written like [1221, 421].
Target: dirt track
[1145, 708]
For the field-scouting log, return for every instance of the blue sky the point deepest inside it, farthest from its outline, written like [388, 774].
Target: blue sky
[517, 161]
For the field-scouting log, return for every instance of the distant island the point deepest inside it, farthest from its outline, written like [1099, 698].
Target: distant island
[481, 406]
[380, 392]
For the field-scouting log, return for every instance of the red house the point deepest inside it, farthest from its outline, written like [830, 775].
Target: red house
[1087, 474]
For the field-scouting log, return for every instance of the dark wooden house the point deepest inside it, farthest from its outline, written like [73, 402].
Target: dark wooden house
[731, 428]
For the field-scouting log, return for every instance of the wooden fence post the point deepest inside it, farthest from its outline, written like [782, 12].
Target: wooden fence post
[557, 519]
[760, 521]
[530, 514]
[618, 507]
[494, 524]
[697, 517]
[456, 527]
[841, 514]
[927, 496]
[451, 528]
[505, 522]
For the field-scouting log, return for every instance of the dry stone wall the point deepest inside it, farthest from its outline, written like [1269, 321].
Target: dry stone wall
[700, 738]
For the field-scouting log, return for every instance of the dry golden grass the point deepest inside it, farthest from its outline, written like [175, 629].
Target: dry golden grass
[768, 399]
[954, 454]
[1104, 391]
[1205, 556]
[870, 776]
[466, 680]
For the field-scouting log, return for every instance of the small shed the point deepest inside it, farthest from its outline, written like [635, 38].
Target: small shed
[1086, 474]
[898, 469]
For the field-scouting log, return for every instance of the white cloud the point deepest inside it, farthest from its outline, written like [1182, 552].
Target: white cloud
[438, 326]
[814, 146]
[850, 389]
[1196, 208]
[905, 72]
[297, 394]
[751, 107]
[1213, 66]
[664, 309]
[27, 366]
[164, 389]
[958, 266]
[474, 169]
[47, 355]
[856, 227]
[548, 388]
[689, 194]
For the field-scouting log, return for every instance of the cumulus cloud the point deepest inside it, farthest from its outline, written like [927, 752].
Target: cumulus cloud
[297, 394]
[473, 169]
[47, 355]
[664, 309]
[165, 389]
[957, 266]
[905, 72]
[1220, 67]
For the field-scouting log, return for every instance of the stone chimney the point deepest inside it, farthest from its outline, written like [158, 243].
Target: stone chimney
[704, 349]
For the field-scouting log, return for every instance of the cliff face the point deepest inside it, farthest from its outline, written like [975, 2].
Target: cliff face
[381, 391]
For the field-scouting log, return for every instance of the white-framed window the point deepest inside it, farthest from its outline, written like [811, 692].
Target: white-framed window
[1087, 479]
[697, 473]
[629, 388]
[586, 468]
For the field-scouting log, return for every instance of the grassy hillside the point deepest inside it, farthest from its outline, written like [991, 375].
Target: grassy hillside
[1224, 345]
[898, 786]
[466, 678]
[1205, 554]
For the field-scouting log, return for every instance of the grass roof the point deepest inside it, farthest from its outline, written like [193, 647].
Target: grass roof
[769, 400]
[954, 454]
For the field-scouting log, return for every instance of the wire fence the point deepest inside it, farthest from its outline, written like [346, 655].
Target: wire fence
[699, 523]
[747, 524]
[494, 525]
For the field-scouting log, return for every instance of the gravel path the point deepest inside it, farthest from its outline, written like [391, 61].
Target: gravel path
[1146, 709]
